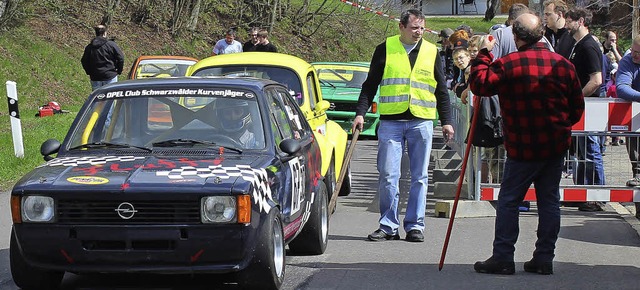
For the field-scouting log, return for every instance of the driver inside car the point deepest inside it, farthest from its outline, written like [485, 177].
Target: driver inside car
[235, 121]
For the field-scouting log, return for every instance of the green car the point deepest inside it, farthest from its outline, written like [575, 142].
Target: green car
[341, 83]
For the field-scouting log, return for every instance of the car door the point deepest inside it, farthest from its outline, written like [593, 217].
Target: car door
[318, 119]
[287, 122]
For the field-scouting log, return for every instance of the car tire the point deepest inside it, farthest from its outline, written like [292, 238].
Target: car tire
[27, 277]
[267, 267]
[315, 235]
[345, 188]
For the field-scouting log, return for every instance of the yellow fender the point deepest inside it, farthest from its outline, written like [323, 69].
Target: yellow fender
[337, 143]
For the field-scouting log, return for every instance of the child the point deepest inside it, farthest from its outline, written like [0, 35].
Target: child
[611, 86]
[461, 58]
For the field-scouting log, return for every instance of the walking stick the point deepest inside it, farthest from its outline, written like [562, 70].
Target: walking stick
[476, 109]
[345, 165]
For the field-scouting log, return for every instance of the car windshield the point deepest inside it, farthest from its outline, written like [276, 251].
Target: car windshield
[158, 68]
[282, 75]
[342, 75]
[169, 118]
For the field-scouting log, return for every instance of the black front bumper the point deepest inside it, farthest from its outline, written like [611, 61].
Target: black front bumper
[139, 248]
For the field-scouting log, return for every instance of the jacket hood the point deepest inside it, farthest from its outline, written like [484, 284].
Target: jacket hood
[98, 41]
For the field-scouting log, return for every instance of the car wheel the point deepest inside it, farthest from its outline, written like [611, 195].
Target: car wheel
[345, 188]
[266, 269]
[27, 277]
[315, 235]
[330, 178]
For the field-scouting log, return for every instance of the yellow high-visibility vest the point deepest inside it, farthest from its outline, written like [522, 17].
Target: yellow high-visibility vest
[403, 87]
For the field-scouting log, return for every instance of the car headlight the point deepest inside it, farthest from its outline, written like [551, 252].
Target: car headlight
[38, 209]
[218, 209]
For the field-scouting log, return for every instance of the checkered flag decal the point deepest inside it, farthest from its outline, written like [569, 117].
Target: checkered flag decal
[261, 192]
[90, 160]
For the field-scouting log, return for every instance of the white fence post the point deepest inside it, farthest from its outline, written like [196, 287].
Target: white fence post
[16, 126]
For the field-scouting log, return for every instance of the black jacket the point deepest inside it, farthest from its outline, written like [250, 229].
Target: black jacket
[102, 59]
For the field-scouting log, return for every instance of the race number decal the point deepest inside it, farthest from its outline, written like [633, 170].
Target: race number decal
[297, 184]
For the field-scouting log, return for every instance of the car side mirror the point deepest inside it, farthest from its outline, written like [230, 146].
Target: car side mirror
[323, 106]
[291, 147]
[51, 146]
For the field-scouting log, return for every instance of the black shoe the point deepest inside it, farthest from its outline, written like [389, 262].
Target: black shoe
[414, 236]
[590, 206]
[380, 235]
[544, 268]
[491, 266]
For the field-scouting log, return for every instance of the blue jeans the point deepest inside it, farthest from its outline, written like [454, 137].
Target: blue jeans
[590, 169]
[392, 136]
[518, 176]
[97, 84]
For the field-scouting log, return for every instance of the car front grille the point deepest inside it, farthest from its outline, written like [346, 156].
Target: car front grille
[343, 106]
[138, 212]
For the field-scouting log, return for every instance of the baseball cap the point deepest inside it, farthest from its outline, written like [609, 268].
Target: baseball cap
[461, 43]
[445, 33]
[466, 28]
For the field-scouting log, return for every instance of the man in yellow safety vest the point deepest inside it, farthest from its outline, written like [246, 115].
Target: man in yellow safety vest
[413, 95]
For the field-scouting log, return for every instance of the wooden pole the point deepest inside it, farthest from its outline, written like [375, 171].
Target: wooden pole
[476, 109]
[343, 171]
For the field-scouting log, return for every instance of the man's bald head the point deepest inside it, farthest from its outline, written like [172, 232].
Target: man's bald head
[528, 28]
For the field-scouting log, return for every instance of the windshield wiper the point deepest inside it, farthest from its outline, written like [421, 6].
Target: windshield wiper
[323, 82]
[109, 145]
[183, 142]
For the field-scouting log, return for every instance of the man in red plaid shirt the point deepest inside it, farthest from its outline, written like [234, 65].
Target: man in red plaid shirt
[540, 98]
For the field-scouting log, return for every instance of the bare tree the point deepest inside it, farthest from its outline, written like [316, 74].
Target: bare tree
[306, 22]
[8, 10]
[112, 5]
[195, 12]
[274, 11]
[492, 9]
[175, 16]
[3, 7]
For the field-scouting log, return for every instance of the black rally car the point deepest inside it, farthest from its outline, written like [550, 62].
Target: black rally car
[184, 175]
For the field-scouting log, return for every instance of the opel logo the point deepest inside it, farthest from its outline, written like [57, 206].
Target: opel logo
[126, 210]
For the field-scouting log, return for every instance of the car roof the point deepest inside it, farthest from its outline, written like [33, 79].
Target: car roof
[254, 58]
[247, 82]
[177, 57]
[352, 63]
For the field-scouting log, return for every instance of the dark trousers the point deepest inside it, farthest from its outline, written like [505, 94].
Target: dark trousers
[634, 151]
[518, 176]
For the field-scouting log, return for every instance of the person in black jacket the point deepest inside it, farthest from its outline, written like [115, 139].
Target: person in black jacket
[102, 59]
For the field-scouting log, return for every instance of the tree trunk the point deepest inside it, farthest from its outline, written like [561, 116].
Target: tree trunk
[176, 23]
[492, 9]
[195, 13]
[3, 6]
[634, 24]
[273, 15]
[108, 13]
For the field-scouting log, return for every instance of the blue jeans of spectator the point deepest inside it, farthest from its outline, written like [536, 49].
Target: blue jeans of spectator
[518, 176]
[590, 169]
[97, 84]
[392, 135]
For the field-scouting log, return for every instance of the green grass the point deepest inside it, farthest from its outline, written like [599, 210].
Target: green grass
[45, 71]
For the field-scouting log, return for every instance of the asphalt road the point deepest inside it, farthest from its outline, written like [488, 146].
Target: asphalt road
[595, 251]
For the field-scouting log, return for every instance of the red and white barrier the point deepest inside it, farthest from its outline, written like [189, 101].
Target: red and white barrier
[380, 13]
[575, 194]
[615, 115]
[600, 115]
